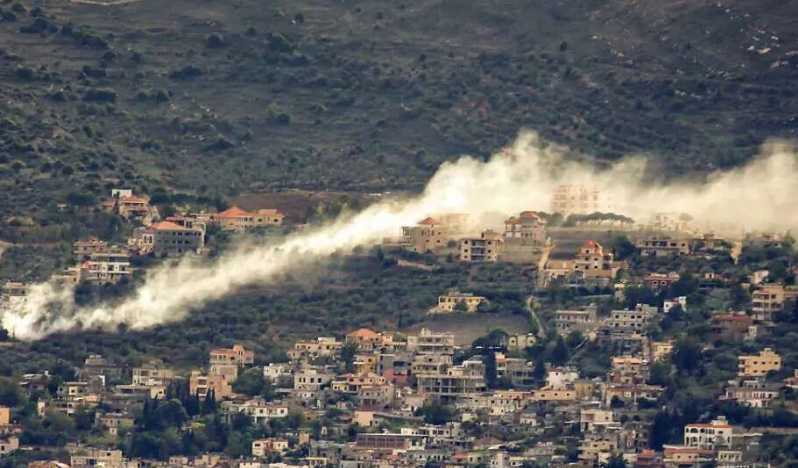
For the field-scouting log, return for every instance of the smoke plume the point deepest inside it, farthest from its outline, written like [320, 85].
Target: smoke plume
[760, 196]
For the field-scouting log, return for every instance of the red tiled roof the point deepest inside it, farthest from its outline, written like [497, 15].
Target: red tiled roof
[731, 318]
[363, 333]
[133, 199]
[591, 245]
[167, 226]
[429, 221]
[528, 215]
[234, 212]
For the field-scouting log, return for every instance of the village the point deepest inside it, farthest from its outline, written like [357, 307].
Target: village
[625, 319]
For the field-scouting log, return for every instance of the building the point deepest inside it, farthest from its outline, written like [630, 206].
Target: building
[8, 445]
[84, 249]
[758, 365]
[170, 238]
[312, 378]
[237, 220]
[236, 355]
[452, 382]
[485, 248]
[109, 266]
[730, 327]
[312, 349]
[366, 339]
[770, 299]
[153, 374]
[132, 207]
[577, 198]
[90, 457]
[567, 321]
[717, 434]
[662, 246]
[389, 442]
[660, 281]
[431, 234]
[263, 447]
[202, 384]
[753, 393]
[678, 222]
[629, 370]
[429, 342]
[13, 292]
[454, 300]
[524, 237]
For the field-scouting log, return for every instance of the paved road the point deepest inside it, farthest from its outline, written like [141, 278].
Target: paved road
[530, 307]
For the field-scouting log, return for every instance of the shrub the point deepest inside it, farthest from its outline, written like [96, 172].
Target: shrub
[25, 73]
[215, 40]
[186, 73]
[99, 95]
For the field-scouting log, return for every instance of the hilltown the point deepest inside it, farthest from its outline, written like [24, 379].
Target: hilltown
[587, 385]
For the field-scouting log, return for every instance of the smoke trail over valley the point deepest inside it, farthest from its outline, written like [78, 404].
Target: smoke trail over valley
[761, 196]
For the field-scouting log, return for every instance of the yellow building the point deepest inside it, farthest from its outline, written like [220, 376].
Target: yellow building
[769, 300]
[237, 220]
[448, 303]
[759, 365]
[485, 248]
[5, 415]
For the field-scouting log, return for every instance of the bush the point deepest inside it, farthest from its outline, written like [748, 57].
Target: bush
[99, 95]
[215, 40]
[186, 73]
[25, 73]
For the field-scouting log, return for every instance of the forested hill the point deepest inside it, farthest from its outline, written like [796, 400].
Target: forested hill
[227, 96]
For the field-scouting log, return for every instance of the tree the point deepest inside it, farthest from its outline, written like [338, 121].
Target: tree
[616, 461]
[660, 373]
[460, 307]
[622, 247]
[490, 369]
[9, 393]
[251, 382]
[348, 352]
[560, 353]
[686, 354]
[436, 413]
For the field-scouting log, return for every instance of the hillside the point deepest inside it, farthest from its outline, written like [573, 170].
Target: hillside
[220, 98]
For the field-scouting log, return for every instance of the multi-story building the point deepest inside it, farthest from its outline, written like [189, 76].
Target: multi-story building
[13, 292]
[770, 299]
[577, 198]
[236, 355]
[628, 370]
[759, 365]
[448, 302]
[428, 342]
[109, 266]
[153, 374]
[730, 327]
[263, 447]
[566, 321]
[717, 434]
[485, 248]
[258, 409]
[90, 457]
[427, 234]
[658, 282]
[311, 349]
[312, 378]
[678, 222]
[84, 249]
[454, 381]
[237, 220]
[171, 238]
[753, 393]
[202, 384]
[662, 246]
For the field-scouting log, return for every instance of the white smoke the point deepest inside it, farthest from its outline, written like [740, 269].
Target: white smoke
[522, 177]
